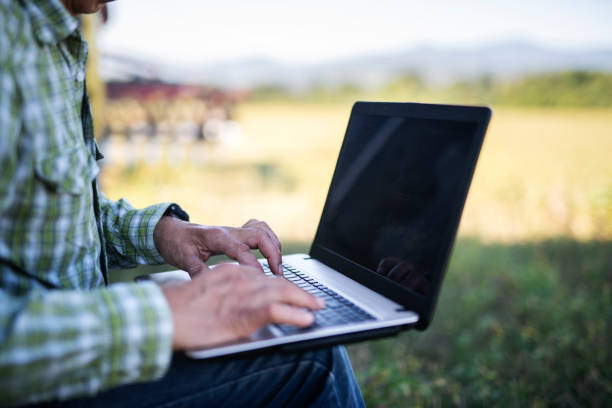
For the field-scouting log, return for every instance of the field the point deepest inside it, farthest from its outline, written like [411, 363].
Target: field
[542, 173]
[524, 315]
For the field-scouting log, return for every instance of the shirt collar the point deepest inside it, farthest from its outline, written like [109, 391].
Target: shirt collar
[51, 21]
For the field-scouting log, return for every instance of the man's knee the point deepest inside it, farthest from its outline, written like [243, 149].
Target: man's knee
[325, 378]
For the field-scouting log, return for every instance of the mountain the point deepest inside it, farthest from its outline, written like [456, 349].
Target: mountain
[433, 64]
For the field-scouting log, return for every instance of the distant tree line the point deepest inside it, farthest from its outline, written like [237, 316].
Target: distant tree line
[555, 89]
[574, 88]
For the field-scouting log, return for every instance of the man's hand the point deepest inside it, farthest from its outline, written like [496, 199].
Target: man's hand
[188, 246]
[231, 302]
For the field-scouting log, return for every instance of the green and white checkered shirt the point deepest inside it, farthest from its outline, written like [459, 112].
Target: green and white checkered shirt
[62, 332]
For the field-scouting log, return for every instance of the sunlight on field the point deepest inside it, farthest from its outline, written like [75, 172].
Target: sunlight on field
[542, 173]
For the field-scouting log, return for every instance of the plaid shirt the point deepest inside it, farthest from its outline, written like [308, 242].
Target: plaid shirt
[62, 332]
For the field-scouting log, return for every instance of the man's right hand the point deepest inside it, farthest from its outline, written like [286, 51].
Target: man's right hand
[231, 302]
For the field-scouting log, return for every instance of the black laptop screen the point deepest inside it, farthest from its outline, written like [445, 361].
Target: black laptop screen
[394, 194]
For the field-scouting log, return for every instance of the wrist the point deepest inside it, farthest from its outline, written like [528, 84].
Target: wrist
[167, 223]
[166, 228]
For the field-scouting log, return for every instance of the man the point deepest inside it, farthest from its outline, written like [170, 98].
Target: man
[66, 339]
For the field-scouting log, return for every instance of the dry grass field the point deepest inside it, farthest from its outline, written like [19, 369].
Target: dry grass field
[542, 173]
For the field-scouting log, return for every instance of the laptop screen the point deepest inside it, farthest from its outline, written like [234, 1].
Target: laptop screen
[393, 199]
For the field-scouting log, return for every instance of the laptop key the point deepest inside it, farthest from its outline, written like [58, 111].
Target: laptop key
[333, 303]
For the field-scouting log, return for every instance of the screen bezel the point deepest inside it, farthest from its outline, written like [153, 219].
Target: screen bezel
[423, 305]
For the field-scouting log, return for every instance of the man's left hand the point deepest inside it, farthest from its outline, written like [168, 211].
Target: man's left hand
[188, 246]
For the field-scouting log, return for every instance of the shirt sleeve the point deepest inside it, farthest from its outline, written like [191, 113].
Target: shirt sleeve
[62, 344]
[128, 232]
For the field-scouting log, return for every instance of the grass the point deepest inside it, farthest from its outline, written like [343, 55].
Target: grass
[516, 325]
[524, 315]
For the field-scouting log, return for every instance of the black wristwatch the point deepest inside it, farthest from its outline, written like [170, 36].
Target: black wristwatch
[177, 212]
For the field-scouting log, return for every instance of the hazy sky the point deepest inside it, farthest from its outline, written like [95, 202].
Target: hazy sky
[190, 32]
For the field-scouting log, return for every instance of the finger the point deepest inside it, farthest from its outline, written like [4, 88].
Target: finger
[277, 243]
[280, 290]
[264, 225]
[250, 223]
[271, 251]
[253, 223]
[241, 252]
[258, 238]
[280, 313]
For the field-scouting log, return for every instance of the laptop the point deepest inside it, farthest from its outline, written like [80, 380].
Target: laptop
[387, 228]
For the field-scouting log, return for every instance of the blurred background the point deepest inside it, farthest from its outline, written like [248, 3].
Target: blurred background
[237, 110]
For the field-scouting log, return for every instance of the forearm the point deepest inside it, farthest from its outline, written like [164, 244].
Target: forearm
[128, 232]
[62, 344]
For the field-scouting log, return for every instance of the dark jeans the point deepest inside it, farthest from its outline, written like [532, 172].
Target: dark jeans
[320, 378]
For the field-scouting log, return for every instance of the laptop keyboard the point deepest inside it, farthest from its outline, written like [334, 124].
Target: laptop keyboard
[337, 311]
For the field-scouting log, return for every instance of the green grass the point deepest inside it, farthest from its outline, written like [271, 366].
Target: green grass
[516, 325]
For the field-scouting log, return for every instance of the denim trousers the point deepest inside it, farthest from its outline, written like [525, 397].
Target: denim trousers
[316, 378]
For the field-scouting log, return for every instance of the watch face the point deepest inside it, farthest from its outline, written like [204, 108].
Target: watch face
[177, 212]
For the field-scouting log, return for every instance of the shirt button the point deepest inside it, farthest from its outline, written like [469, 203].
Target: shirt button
[80, 76]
